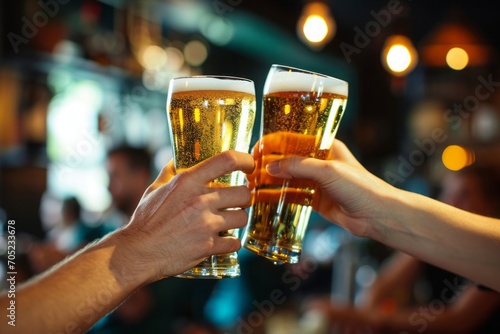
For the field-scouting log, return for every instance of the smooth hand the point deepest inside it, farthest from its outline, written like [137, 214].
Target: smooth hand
[348, 193]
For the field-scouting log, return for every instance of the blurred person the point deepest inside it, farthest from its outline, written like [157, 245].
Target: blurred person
[387, 305]
[176, 224]
[129, 171]
[68, 234]
[367, 206]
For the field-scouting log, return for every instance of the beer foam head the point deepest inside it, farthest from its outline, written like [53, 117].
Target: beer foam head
[300, 80]
[187, 84]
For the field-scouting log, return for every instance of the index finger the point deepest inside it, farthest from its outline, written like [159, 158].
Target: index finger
[166, 174]
[339, 151]
[221, 164]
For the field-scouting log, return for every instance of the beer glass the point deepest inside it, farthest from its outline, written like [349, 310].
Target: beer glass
[208, 115]
[300, 116]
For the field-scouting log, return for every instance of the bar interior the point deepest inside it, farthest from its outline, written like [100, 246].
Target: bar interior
[83, 80]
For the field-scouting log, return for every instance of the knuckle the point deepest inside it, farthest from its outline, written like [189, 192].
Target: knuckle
[326, 166]
[180, 180]
[199, 203]
[230, 159]
[231, 245]
[217, 223]
[292, 164]
[244, 193]
[207, 246]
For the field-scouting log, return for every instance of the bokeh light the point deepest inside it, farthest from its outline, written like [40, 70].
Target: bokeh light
[217, 30]
[175, 58]
[457, 58]
[153, 57]
[195, 53]
[315, 28]
[316, 25]
[398, 58]
[456, 157]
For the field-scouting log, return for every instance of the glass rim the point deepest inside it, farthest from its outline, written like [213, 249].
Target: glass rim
[301, 70]
[211, 83]
[213, 76]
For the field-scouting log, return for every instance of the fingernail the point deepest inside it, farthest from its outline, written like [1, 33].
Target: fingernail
[273, 167]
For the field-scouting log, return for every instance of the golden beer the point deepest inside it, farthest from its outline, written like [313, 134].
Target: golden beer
[295, 122]
[209, 115]
[205, 123]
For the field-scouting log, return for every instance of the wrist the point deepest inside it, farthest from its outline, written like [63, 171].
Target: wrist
[387, 218]
[126, 260]
[404, 223]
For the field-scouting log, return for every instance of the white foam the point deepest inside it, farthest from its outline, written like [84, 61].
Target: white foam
[187, 84]
[299, 81]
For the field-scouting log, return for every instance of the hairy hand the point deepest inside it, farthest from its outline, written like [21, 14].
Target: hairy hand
[178, 220]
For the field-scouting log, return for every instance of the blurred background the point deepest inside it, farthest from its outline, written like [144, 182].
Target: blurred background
[79, 77]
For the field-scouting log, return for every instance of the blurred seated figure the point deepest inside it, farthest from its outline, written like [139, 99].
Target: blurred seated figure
[67, 234]
[71, 234]
[409, 295]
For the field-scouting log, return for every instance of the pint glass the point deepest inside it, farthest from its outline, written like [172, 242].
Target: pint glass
[300, 116]
[208, 115]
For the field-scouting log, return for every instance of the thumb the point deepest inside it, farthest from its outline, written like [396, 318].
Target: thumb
[297, 167]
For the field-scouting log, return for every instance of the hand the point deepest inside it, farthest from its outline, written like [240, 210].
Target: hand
[177, 222]
[276, 146]
[349, 195]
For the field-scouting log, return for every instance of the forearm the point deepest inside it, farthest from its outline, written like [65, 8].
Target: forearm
[453, 239]
[75, 294]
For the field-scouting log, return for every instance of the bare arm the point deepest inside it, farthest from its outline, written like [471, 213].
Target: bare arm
[175, 226]
[349, 195]
[450, 238]
[72, 296]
